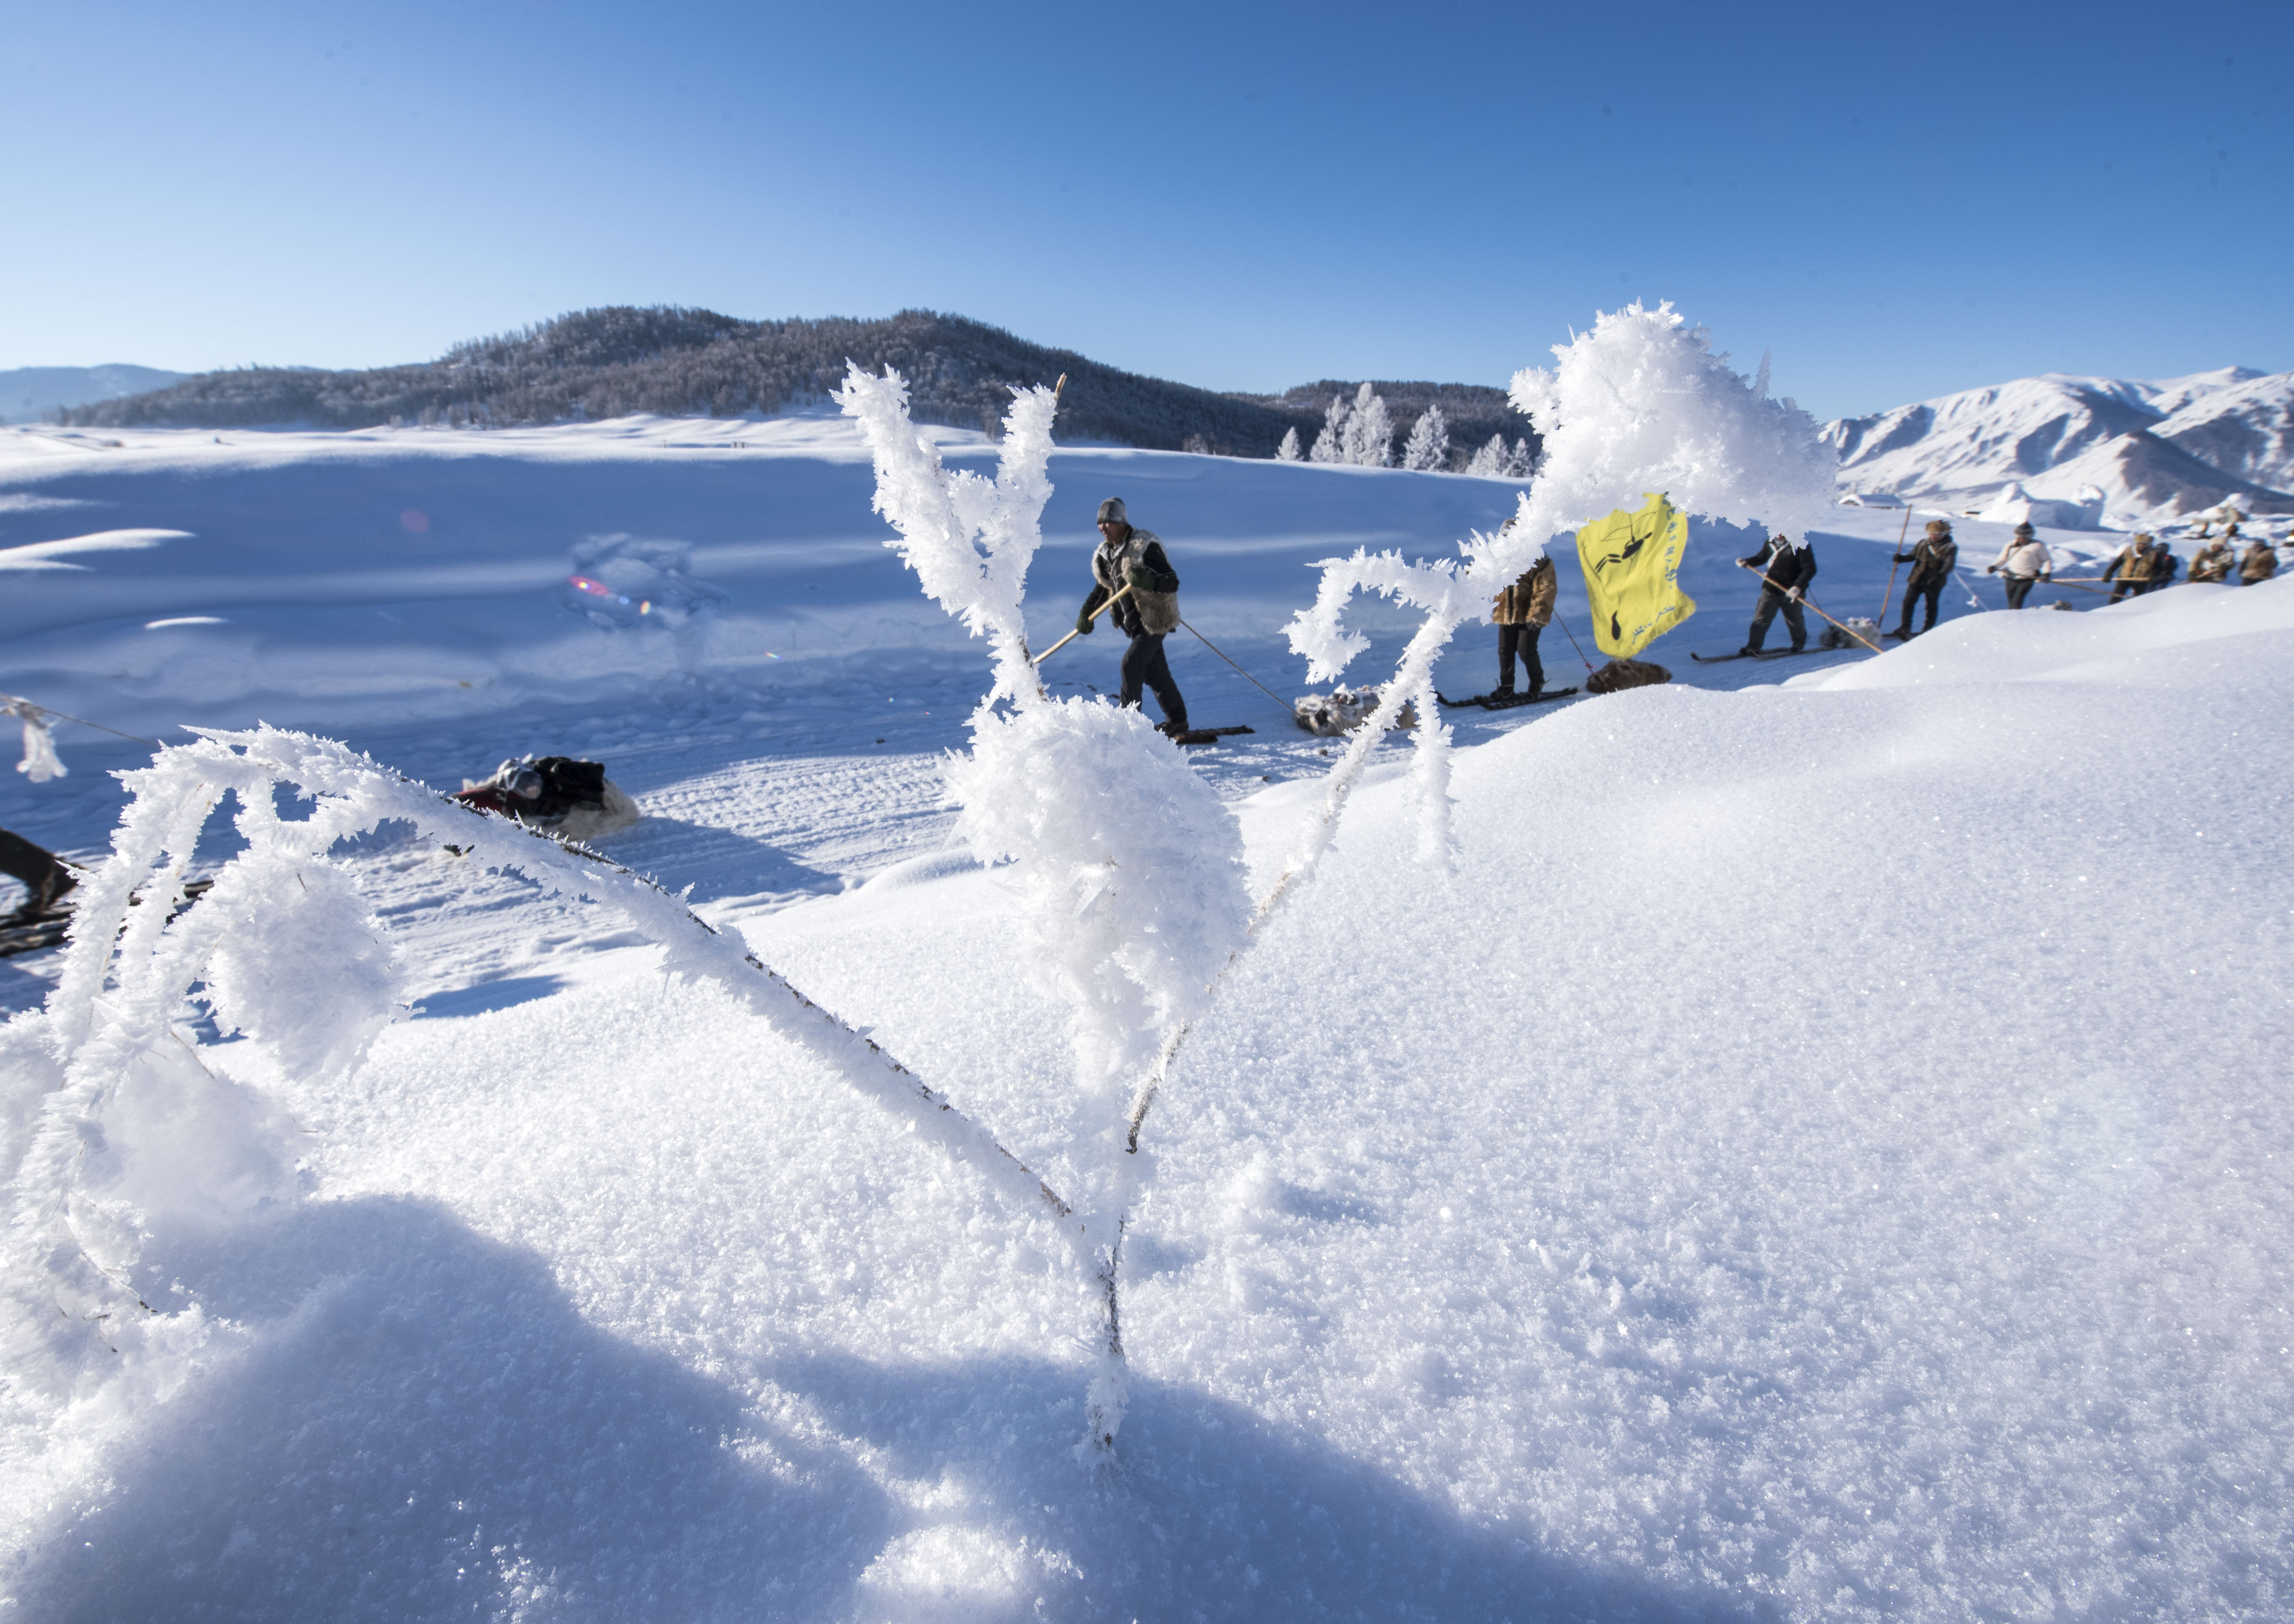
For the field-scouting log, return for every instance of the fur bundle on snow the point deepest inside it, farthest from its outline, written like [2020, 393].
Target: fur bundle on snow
[1856, 631]
[1626, 674]
[1347, 709]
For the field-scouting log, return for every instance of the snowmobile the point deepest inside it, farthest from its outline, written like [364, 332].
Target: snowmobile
[557, 794]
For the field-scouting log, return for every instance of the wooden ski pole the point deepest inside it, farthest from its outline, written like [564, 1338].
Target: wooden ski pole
[1811, 602]
[1077, 632]
[1890, 592]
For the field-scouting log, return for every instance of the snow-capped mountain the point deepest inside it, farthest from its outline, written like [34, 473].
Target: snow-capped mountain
[2100, 450]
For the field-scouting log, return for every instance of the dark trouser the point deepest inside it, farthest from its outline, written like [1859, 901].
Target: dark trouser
[1930, 590]
[2127, 589]
[1143, 664]
[1795, 623]
[45, 879]
[2019, 588]
[1523, 640]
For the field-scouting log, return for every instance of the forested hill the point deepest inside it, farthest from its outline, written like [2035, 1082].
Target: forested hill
[614, 361]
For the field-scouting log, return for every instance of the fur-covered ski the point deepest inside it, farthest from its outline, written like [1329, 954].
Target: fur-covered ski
[1207, 735]
[31, 934]
[1766, 653]
[1504, 702]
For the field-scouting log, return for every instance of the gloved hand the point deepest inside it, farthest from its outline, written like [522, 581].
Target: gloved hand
[2047, 575]
[1992, 569]
[1793, 593]
[1141, 578]
[1083, 622]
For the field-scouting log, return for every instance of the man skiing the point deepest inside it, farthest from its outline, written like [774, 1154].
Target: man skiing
[1932, 559]
[2213, 562]
[2025, 559]
[1786, 567]
[2260, 562]
[46, 881]
[1522, 611]
[1129, 557]
[2129, 573]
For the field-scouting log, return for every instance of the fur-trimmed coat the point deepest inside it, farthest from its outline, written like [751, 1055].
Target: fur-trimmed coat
[2260, 562]
[2213, 562]
[1151, 611]
[1933, 558]
[1529, 601]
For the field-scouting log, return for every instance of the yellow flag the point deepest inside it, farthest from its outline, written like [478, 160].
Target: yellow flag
[1632, 568]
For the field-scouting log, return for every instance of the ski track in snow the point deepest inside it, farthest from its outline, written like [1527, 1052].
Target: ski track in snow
[1822, 1156]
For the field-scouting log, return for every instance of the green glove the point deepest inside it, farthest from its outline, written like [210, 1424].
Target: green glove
[1141, 578]
[1083, 623]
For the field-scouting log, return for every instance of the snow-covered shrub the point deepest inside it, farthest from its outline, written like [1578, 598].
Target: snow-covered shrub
[1368, 439]
[1490, 461]
[1330, 444]
[1428, 449]
[1288, 452]
[130, 1135]
[1127, 871]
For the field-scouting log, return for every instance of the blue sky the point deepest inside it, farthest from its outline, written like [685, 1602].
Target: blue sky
[1898, 201]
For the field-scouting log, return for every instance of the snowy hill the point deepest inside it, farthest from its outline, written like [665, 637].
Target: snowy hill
[27, 392]
[1806, 1162]
[2145, 452]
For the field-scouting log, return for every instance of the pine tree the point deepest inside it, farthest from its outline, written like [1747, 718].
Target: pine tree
[1428, 450]
[1288, 452]
[1521, 462]
[1330, 444]
[1490, 461]
[1370, 432]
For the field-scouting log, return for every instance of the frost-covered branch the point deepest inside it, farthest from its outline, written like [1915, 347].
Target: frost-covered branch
[936, 515]
[315, 982]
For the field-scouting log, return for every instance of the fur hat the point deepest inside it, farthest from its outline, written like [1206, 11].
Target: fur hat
[2144, 535]
[1938, 525]
[1112, 512]
[2025, 529]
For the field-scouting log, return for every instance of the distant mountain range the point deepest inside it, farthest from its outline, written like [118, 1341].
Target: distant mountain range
[2083, 451]
[28, 394]
[612, 362]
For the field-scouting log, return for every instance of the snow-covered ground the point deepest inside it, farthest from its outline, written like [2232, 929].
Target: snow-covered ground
[1817, 1157]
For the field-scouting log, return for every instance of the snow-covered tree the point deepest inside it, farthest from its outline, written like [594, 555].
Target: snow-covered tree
[1428, 449]
[1490, 461]
[1330, 444]
[1370, 432]
[1288, 452]
[1520, 462]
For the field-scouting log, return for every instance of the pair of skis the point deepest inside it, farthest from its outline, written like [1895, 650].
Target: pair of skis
[1766, 653]
[1502, 700]
[1207, 736]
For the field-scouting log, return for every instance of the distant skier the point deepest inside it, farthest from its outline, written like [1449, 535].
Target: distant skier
[1932, 559]
[2129, 573]
[1522, 611]
[46, 881]
[2025, 559]
[1133, 557]
[2213, 562]
[1786, 567]
[2260, 562]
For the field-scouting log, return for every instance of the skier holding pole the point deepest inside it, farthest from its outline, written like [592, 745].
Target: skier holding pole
[1135, 583]
[1786, 567]
[1932, 560]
